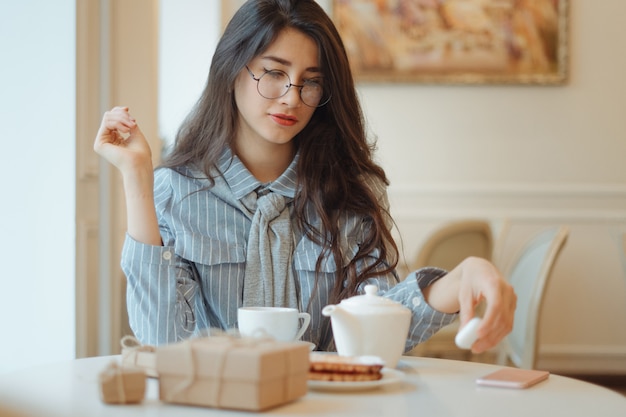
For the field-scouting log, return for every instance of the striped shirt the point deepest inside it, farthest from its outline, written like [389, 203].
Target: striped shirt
[195, 280]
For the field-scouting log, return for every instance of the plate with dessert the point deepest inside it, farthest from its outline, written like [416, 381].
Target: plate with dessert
[331, 372]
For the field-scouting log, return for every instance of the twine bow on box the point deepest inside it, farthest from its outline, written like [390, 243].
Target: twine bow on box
[135, 354]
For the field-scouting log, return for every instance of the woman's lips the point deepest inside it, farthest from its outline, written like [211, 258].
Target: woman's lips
[283, 119]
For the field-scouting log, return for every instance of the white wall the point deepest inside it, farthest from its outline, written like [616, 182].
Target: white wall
[513, 134]
[37, 170]
[538, 155]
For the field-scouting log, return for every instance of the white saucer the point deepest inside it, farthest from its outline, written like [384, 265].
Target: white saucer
[390, 376]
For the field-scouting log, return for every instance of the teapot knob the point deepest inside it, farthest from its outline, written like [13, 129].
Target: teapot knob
[371, 289]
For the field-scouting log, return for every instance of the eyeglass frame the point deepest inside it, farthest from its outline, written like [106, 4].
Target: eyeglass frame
[288, 87]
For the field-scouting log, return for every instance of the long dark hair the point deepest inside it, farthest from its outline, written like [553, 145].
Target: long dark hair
[335, 156]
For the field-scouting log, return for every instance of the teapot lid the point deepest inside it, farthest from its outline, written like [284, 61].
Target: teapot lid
[370, 299]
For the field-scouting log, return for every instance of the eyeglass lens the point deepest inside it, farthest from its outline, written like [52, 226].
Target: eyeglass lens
[274, 84]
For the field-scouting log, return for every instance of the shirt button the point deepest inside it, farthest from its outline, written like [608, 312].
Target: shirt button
[167, 255]
[416, 301]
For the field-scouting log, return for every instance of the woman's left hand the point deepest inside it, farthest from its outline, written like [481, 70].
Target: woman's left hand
[473, 281]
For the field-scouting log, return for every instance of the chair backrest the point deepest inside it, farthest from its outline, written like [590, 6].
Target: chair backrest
[529, 277]
[453, 242]
[623, 252]
[499, 243]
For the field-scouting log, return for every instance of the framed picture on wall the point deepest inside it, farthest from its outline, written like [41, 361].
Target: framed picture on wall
[451, 41]
[455, 41]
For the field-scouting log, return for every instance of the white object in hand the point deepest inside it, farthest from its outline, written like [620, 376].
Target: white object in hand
[466, 337]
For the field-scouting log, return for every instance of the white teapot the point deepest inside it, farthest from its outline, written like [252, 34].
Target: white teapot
[370, 325]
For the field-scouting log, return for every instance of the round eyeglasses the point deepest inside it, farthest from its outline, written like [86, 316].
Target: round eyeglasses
[276, 83]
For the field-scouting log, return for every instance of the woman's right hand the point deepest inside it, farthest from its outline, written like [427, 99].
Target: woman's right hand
[121, 142]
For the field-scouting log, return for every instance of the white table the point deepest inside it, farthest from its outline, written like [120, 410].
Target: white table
[432, 388]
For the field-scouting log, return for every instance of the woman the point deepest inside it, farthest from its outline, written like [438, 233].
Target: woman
[271, 196]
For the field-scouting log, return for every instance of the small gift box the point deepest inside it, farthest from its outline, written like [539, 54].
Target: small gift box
[136, 355]
[230, 372]
[122, 385]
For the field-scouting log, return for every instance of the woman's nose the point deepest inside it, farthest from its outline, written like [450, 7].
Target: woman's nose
[292, 97]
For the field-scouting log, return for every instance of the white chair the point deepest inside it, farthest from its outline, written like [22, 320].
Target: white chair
[529, 277]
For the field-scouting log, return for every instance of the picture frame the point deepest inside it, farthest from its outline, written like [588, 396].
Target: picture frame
[451, 41]
[455, 41]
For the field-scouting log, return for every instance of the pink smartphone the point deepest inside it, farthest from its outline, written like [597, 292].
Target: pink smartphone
[513, 378]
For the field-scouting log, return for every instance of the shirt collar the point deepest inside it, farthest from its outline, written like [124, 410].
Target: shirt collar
[242, 182]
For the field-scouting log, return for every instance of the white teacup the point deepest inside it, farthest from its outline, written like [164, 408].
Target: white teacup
[281, 323]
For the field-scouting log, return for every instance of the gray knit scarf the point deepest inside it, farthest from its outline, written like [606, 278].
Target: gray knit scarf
[269, 278]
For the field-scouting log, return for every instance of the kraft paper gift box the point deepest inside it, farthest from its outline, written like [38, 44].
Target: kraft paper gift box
[120, 385]
[234, 373]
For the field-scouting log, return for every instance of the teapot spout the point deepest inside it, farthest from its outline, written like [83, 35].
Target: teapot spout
[346, 330]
